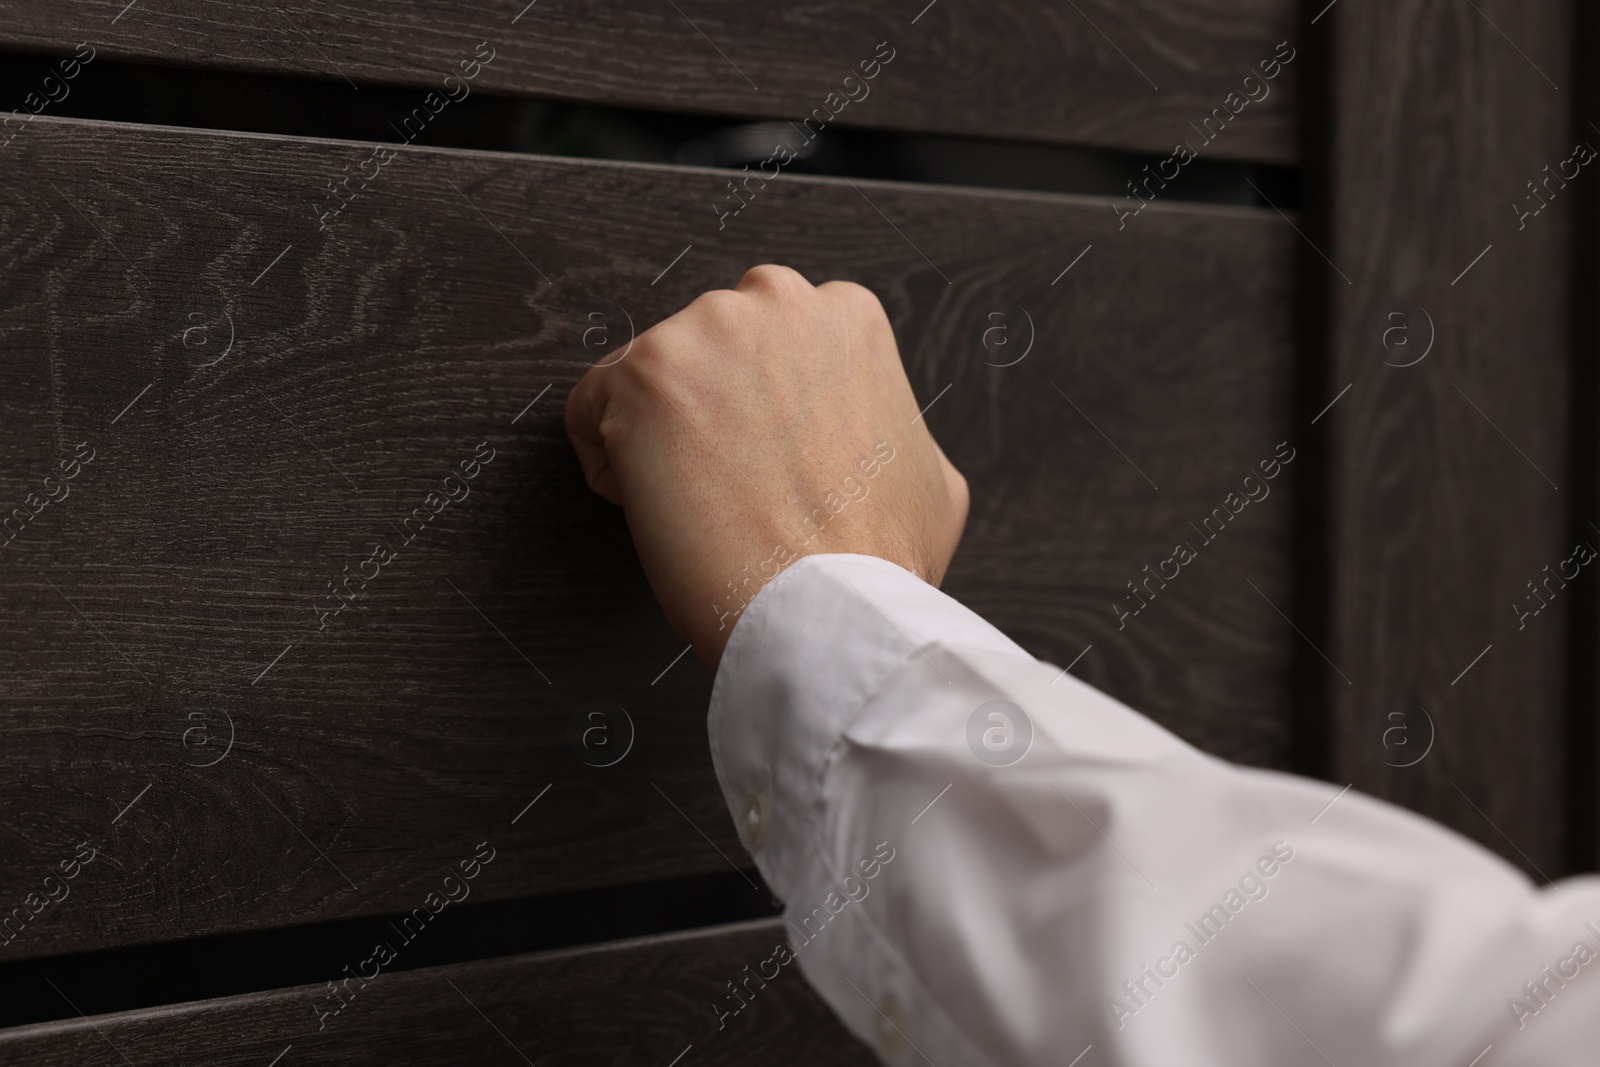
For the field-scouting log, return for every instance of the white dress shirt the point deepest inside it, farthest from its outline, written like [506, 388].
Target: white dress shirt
[1113, 896]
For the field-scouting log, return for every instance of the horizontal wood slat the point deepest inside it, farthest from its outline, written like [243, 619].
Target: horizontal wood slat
[174, 584]
[1113, 73]
[644, 1001]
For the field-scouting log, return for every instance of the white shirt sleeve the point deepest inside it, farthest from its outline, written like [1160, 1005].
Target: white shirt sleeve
[1054, 879]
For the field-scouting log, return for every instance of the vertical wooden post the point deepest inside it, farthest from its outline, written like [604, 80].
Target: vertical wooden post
[1450, 491]
[1583, 759]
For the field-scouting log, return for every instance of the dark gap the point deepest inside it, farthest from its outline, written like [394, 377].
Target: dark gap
[1583, 630]
[147, 976]
[304, 107]
[1312, 553]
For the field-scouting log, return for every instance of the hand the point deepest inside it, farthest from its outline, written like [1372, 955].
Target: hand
[756, 426]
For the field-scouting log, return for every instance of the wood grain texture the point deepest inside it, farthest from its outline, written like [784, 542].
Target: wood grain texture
[1446, 472]
[642, 1001]
[180, 576]
[1114, 73]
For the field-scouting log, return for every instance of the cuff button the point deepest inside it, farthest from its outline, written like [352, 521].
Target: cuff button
[889, 1028]
[753, 819]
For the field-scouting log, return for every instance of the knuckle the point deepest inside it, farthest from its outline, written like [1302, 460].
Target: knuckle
[775, 278]
[651, 352]
[857, 297]
[716, 311]
[669, 349]
[712, 303]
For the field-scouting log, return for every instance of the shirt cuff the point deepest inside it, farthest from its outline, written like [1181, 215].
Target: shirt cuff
[803, 660]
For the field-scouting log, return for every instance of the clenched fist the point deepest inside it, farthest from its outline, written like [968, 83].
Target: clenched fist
[756, 426]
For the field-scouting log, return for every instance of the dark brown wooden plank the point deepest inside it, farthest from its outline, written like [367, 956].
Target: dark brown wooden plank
[643, 1001]
[178, 581]
[1115, 73]
[1445, 472]
[1584, 760]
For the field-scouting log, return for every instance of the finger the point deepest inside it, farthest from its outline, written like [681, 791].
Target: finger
[586, 408]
